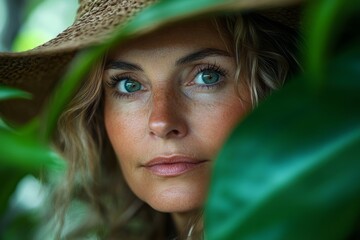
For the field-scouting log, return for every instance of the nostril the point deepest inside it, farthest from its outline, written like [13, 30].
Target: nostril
[176, 132]
[167, 127]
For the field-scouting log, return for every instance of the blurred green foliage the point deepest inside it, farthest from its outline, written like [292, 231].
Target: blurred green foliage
[289, 171]
[43, 20]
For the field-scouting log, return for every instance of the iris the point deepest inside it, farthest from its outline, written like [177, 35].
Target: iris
[129, 86]
[207, 77]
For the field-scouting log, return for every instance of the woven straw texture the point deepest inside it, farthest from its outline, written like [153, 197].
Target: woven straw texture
[38, 70]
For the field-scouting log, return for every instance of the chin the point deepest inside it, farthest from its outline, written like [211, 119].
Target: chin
[184, 193]
[177, 200]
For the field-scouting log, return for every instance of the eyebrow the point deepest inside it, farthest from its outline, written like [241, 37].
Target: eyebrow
[121, 65]
[207, 52]
[201, 54]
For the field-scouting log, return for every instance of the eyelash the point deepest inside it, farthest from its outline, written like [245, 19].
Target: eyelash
[215, 68]
[114, 80]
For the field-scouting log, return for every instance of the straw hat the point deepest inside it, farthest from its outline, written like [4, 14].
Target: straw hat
[38, 70]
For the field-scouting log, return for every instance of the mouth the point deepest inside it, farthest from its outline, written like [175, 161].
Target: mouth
[172, 166]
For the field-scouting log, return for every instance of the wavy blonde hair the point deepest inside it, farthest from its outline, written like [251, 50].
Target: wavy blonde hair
[265, 54]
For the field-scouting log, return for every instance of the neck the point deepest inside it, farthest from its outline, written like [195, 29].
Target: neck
[188, 223]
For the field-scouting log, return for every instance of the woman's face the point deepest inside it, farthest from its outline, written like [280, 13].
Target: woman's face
[170, 102]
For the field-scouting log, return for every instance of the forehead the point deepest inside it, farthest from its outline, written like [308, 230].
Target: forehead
[188, 36]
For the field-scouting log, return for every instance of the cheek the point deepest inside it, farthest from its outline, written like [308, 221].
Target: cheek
[215, 124]
[124, 130]
[125, 136]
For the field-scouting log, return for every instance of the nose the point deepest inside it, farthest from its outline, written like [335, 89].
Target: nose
[168, 116]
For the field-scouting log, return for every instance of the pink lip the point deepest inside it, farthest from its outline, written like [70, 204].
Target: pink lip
[172, 166]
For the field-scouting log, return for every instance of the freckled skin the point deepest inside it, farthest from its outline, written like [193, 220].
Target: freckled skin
[170, 116]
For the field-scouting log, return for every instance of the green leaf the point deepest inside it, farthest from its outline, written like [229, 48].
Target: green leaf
[4, 125]
[10, 93]
[20, 227]
[324, 22]
[26, 153]
[291, 169]
[9, 179]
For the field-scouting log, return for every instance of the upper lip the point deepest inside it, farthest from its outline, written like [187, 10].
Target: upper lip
[172, 160]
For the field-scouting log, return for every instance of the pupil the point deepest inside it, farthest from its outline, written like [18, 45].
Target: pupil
[132, 86]
[210, 77]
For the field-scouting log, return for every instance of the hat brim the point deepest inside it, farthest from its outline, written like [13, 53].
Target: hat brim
[37, 71]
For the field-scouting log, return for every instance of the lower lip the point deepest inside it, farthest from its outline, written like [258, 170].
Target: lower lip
[173, 169]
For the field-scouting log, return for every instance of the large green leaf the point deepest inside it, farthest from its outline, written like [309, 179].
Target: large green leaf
[292, 169]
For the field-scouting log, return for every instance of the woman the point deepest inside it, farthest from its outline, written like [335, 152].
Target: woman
[160, 106]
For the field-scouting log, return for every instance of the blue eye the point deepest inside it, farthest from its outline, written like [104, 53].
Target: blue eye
[207, 77]
[129, 86]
